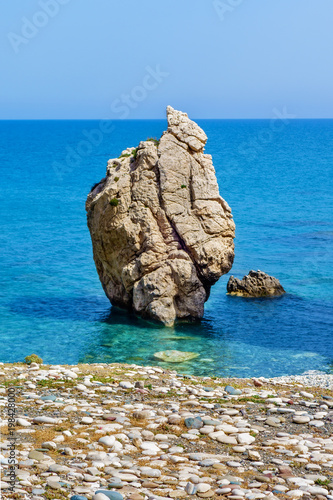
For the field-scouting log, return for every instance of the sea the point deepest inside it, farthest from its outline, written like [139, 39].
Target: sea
[277, 177]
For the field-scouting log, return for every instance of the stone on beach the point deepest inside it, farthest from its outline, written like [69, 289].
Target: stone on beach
[127, 445]
[107, 441]
[106, 494]
[126, 385]
[36, 455]
[231, 390]
[87, 420]
[194, 423]
[245, 438]
[45, 420]
[100, 496]
[226, 439]
[49, 445]
[301, 419]
[22, 422]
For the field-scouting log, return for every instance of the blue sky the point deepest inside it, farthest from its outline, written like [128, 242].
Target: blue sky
[130, 58]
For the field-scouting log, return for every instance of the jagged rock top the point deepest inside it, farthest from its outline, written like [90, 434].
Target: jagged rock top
[161, 233]
[185, 130]
[255, 284]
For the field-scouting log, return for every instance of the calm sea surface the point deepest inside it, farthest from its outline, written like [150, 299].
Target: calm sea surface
[277, 177]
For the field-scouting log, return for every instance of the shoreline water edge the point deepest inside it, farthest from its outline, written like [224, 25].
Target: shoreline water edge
[99, 431]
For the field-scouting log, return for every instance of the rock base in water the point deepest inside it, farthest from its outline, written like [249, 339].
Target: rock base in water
[255, 284]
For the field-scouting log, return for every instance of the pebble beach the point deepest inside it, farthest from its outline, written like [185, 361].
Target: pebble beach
[115, 431]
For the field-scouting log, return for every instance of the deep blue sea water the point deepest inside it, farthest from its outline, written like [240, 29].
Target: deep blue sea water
[278, 181]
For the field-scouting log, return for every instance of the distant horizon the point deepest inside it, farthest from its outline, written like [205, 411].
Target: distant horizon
[147, 119]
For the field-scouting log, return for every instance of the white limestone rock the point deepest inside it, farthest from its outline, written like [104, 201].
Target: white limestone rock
[161, 233]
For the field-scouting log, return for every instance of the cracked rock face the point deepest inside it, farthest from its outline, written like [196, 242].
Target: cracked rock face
[161, 233]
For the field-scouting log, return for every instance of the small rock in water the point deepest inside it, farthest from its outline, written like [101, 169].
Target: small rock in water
[175, 356]
[255, 284]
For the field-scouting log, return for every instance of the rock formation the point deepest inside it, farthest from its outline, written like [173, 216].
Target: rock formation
[161, 233]
[255, 284]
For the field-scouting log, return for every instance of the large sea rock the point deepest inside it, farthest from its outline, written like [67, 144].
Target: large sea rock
[255, 284]
[161, 233]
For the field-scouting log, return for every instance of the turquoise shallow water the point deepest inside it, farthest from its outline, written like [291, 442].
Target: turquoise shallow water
[278, 181]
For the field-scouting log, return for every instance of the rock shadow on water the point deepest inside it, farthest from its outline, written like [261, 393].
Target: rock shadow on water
[61, 308]
[97, 309]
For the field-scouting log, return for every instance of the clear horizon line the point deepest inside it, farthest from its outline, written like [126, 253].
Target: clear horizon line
[149, 119]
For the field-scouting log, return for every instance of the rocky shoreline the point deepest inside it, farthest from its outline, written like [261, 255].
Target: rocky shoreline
[118, 431]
